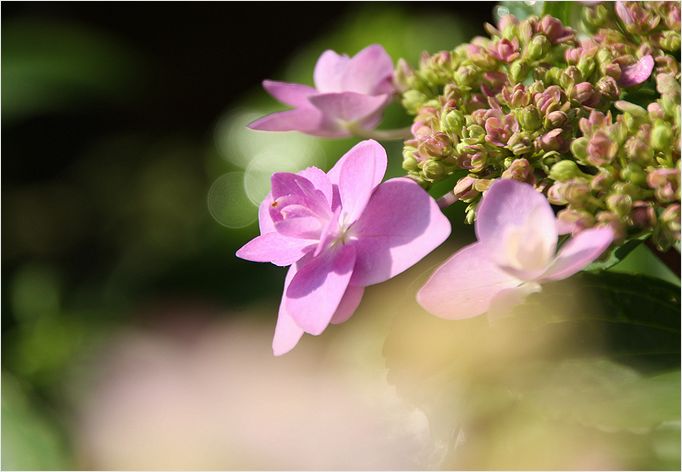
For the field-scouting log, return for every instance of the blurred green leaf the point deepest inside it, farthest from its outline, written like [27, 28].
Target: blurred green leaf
[618, 253]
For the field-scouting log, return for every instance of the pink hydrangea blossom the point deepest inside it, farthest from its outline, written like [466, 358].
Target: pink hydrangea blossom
[515, 253]
[348, 92]
[340, 231]
[637, 73]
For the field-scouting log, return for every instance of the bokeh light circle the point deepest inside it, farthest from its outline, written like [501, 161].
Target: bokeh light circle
[228, 203]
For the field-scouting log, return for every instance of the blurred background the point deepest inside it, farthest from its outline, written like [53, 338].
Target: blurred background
[133, 338]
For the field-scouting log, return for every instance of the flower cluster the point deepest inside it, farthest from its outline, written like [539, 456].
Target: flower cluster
[593, 123]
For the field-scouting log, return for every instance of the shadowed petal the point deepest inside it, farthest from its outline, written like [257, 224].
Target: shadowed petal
[347, 107]
[400, 225]
[580, 251]
[276, 248]
[358, 177]
[370, 72]
[287, 332]
[515, 207]
[638, 72]
[307, 120]
[295, 95]
[465, 285]
[349, 303]
[329, 70]
[316, 290]
[319, 180]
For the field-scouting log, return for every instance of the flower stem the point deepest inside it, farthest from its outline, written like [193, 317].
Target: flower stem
[446, 200]
[382, 134]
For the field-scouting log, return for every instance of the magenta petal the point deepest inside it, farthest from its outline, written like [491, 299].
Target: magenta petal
[320, 181]
[363, 149]
[347, 107]
[287, 332]
[580, 251]
[295, 95]
[400, 225]
[357, 179]
[638, 72]
[349, 303]
[465, 285]
[316, 290]
[507, 204]
[369, 72]
[329, 71]
[305, 227]
[276, 248]
[265, 223]
[307, 120]
[286, 184]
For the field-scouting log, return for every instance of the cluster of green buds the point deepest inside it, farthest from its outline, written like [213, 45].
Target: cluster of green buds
[593, 124]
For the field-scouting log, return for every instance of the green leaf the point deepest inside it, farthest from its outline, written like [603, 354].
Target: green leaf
[617, 253]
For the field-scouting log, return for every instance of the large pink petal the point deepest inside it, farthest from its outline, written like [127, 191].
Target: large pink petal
[400, 225]
[369, 72]
[347, 107]
[509, 204]
[286, 184]
[307, 120]
[580, 251]
[357, 179]
[329, 71]
[287, 332]
[637, 73]
[349, 303]
[295, 95]
[363, 148]
[465, 285]
[316, 290]
[320, 181]
[276, 248]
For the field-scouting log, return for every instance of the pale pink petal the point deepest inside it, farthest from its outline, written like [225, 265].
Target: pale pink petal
[329, 71]
[357, 177]
[465, 285]
[637, 73]
[347, 107]
[307, 120]
[329, 232]
[286, 184]
[504, 302]
[363, 148]
[265, 222]
[578, 252]
[316, 290]
[287, 332]
[320, 181]
[400, 225]
[369, 72]
[295, 95]
[349, 303]
[509, 204]
[276, 248]
[304, 227]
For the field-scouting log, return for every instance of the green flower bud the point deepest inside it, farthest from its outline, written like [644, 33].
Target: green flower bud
[520, 143]
[619, 204]
[670, 41]
[634, 174]
[661, 137]
[465, 76]
[608, 87]
[586, 66]
[529, 118]
[470, 213]
[565, 170]
[413, 100]
[410, 164]
[579, 148]
[570, 77]
[433, 170]
[452, 121]
[553, 76]
[594, 17]
[518, 71]
[538, 47]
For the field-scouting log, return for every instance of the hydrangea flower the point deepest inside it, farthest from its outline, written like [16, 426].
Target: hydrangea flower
[515, 252]
[349, 94]
[340, 231]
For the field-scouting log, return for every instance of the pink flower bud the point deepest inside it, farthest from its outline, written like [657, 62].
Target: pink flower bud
[601, 149]
[643, 214]
[521, 170]
[505, 50]
[464, 189]
[586, 94]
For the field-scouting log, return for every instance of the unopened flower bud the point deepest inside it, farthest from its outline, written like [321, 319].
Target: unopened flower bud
[670, 41]
[436, 145]
[671, 219]
[552, 140]
[655, 111]
[643, 214]
[465, 76]
[518, 71]
[555, 119]
[576, 191]
[595, 16]
[521, 170]
[464, 189]
[538, 47]
[613, 221]
[666, 184]
[601, 182]
[565, 170]
[403, 75]
[570, 76]
[577, 220]
[638, 150]
[555, 31]
[608, 87]
[585, 94]
[413, 100]
[452, 121]
[433, 170]
[612, 70]
[620, 204]
[601, 149]
[481, 185]
[661, 137]
[520, 143]
[579, 148]
[410, 164]
[529, 118]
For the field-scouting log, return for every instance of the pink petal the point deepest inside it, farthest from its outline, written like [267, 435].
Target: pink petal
[364, 162]
[638, 72]
[580, 251]
[369, 72]
[320, 181]
[287, 332]
[295, 95]
[349, 303]
[363, 148]
[400, 225]
[508, 204]
[347, 107]
[465, 285]
[276, 248]
[265, 222]
[329, 71]
[304, 227]
[505, 300]
[285, 184]
[307, 120]
[317, 289]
